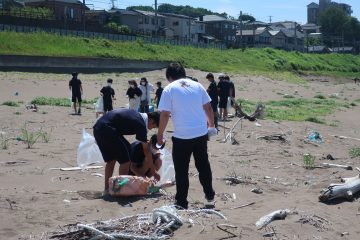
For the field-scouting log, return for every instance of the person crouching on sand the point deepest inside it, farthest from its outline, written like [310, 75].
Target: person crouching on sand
[109, 131]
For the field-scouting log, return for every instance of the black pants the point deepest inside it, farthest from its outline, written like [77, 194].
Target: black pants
[182, 150]
[144, 107]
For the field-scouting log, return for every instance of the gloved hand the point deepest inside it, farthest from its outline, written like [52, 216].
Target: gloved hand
[212, 132]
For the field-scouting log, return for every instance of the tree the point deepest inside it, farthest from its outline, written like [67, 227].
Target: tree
[247, 17]
[332, 23]
[141, 8]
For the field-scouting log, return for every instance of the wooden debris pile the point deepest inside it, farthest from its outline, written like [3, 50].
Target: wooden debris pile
[157, 225]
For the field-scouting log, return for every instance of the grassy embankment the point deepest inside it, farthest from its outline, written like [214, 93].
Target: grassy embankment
[268, 62]
[272, 63]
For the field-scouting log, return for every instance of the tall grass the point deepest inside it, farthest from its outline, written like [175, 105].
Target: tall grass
[296, 109]
[61, 102]
[271, 62]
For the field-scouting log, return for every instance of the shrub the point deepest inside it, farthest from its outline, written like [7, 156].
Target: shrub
[309, 161]
[29, 137]
[10, 104]
[354, 152]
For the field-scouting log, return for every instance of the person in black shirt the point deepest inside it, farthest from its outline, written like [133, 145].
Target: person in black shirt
[109, 133]
[134, 93]
[232, 89]
[158, 93]
[75, 87]
[213, 93]
[108, 95]
[224, 93]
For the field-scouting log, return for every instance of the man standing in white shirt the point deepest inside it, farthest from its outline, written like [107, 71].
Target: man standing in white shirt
[189, 105]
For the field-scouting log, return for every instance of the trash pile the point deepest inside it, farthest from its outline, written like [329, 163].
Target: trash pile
[157, 225]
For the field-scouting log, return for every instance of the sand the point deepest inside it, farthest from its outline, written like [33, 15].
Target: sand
[32, 195]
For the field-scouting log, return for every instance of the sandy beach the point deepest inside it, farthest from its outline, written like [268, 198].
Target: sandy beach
[35, 200]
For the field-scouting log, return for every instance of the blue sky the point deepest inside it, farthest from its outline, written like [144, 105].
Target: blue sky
[261, 9]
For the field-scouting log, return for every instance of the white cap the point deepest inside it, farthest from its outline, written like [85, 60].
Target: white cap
[221, 75]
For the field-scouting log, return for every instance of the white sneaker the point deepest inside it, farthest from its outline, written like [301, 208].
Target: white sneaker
[209, 204]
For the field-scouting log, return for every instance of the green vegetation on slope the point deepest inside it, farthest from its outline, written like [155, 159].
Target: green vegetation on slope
[61, 102]
[276, 64]
[296, 109]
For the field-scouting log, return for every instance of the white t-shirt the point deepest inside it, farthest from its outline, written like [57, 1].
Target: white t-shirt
[185, 99]
[146, 90]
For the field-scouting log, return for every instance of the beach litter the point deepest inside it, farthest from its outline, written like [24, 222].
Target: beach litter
[157, 225]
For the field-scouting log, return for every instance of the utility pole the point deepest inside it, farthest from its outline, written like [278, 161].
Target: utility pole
[241, 29]
[156, 20]
[83, 7]
[270, 19]
[295, 37]
[189, 34]
[112, 4]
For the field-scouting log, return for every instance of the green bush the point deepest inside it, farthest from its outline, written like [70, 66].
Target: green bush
[354, 152]
[10, 104]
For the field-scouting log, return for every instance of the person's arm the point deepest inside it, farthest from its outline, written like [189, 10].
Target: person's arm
[81, 89]
[149, 162]
[164, 119]
[209, 114]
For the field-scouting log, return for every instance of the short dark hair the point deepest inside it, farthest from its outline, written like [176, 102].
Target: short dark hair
[133, 82]
[175, 71]
[110, 80]
[227, 77]
[155, 116]
[143, 79]
[158, 83]
[209, 75]
[74, 74]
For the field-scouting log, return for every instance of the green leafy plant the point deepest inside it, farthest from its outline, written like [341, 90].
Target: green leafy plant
[354, 152]
[10, 104]
[4, 141]
[314, 120]
[62, 102]
[17, 113]
[29, 137]
[45, 135]
[319, 96]
[309, 161]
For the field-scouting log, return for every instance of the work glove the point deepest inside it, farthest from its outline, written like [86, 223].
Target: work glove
[212, 132]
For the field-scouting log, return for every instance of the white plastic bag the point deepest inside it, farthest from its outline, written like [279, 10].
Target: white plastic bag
[167, 171]
[88, 151]
[228, 106]
[99, 105]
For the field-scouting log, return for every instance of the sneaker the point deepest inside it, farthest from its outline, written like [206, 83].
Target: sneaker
[209, 204]
[79, 112]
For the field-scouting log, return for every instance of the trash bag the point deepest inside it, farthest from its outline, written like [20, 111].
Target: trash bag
[99, 105]
[167, 171]
[88, 151]
[127, 186]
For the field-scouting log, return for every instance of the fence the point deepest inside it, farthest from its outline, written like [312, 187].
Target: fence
[110, 36]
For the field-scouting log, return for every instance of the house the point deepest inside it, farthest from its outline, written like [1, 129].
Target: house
[221, 28]
[100, 17]
[125, 17]
[184, 27]
[149, 24]
[259, 37]
[72, 10]
[310, 28]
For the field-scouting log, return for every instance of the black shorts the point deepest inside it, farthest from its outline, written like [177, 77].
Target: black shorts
[108, 107]
[77, 96]
[112, 146]
[223, 102]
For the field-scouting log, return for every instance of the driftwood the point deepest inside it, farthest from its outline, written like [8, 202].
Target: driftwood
[347, 189]
[273, 137]
[276, 215]
[76, 168]
[337, 166]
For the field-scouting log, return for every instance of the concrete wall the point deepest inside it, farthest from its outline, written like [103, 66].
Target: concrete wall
[78, 64]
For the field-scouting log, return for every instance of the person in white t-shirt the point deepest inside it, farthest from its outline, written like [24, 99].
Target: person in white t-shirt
[193, 119]
[146, 88]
